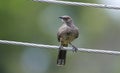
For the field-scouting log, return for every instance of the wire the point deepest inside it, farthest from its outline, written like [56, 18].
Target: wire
[80, 4]
[56, 47]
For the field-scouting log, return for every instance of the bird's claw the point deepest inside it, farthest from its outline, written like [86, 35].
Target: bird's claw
[61, 47]
[75, 49]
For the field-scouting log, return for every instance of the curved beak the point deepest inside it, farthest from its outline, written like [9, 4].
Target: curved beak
[61, 17]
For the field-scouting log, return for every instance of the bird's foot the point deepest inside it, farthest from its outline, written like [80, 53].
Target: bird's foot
[74, 48]
[61, 47]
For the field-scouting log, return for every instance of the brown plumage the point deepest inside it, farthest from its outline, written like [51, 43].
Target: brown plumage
[66, 34]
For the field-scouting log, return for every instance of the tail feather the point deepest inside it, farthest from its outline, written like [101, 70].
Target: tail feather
[61, 57]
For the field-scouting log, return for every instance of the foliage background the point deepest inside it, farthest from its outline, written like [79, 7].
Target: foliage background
[28, 21]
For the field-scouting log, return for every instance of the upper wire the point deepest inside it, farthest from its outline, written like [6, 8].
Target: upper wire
[80, 4]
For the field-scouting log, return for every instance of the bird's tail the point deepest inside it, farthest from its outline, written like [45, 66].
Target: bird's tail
[62, 57]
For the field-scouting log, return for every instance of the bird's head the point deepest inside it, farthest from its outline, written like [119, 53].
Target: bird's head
[66, 18]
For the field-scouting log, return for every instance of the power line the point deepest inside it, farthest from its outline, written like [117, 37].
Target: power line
[80, 4]
[56, 47]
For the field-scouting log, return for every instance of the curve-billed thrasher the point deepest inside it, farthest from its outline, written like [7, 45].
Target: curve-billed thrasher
[66, 34]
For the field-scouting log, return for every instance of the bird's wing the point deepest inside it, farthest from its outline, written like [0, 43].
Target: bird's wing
[58, 36]
[77, 34]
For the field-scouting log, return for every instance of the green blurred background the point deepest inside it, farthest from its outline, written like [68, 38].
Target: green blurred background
[28, 21]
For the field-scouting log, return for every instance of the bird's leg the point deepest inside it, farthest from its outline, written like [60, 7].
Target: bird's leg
[75, 48]
[61, 47]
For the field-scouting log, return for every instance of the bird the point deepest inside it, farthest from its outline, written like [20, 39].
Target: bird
[65, 35]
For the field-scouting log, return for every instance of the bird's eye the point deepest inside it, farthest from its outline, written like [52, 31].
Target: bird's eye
[67, 18]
